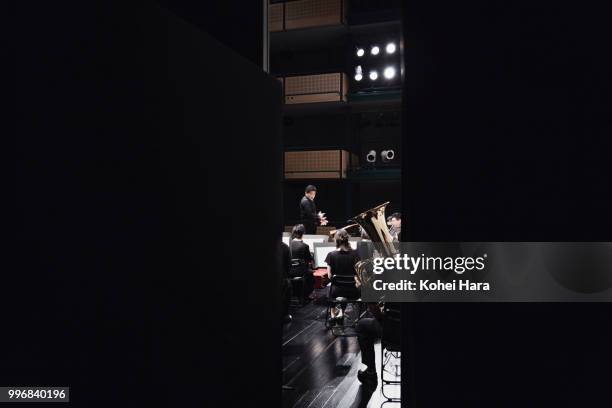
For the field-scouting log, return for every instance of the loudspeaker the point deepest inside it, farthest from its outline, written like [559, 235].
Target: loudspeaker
[276, 18]
[314, 13]
[316, 164]
[315, 88]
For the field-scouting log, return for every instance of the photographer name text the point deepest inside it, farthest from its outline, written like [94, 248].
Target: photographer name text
[429, 285]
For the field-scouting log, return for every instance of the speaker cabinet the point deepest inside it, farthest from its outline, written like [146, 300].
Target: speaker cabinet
[313, 13]
[316, 88]
[276, 18]
[316, 164]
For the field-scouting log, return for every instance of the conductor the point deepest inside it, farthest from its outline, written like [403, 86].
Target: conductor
[308, 211]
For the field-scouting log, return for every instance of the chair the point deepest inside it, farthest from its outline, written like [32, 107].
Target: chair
[297, 281]
[390, 347]
[338, 281]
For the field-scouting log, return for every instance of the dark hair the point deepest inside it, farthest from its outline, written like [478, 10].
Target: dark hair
[310, 188]
[397, 216]
[342, 239]
[298, 231]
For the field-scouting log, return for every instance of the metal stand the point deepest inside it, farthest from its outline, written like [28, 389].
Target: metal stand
[386, 355]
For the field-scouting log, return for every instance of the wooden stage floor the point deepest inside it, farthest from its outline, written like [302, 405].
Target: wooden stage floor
[322, 368]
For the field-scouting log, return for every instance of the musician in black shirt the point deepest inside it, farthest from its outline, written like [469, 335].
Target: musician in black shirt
[342, 262]
[365, 247]
[395, 225]
[369, 329]
[301, 260]
[308, 211]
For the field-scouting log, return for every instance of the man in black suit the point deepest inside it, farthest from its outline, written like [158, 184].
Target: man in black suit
[308, 211]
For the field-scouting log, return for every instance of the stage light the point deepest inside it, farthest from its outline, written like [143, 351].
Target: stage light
[375, 50]
[390, 48]
[389, 72]
[387, 155]
[360, 52]
[371, 156]
[373, 75]
[358, 73]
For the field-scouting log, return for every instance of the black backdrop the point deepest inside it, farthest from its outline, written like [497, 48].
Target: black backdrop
[238, 25]
[507, 138]
[131, 278]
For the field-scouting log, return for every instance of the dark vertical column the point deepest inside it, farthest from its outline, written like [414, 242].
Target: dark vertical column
[147, 213]
[507, 139]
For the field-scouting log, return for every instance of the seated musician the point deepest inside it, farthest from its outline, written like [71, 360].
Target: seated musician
[301, 260]
[342, 262]
[369, 329]
[395, 225]
[365, 247]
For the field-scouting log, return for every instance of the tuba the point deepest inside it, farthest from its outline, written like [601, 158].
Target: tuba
[374, 222]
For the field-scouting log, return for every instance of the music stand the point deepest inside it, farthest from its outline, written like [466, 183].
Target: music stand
[310, 240]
